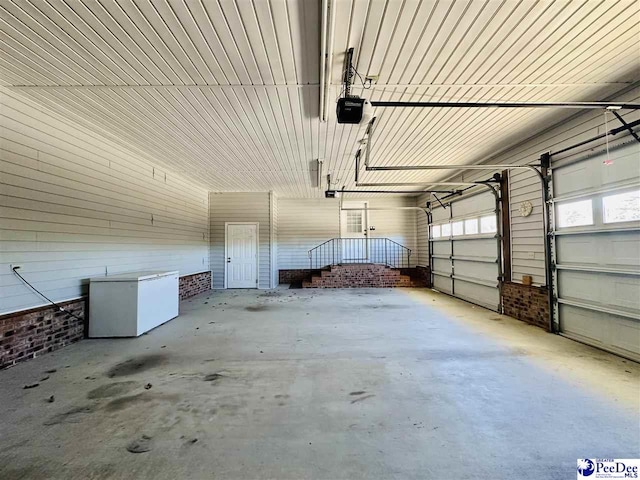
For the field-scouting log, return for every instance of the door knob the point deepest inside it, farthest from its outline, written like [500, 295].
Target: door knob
[228, 259]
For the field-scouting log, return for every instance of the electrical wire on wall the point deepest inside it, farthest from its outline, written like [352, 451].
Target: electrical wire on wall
[346, 73]
[61, 308]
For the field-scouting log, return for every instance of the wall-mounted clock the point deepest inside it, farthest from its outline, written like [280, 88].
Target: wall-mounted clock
[525, 208]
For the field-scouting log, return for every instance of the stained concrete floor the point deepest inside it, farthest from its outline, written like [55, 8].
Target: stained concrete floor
[332, 384]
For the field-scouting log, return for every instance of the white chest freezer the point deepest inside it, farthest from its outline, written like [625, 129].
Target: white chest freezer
[130, 304]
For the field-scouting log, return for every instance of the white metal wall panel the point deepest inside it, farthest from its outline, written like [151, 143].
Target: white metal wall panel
[527, 239]
[610, 250]
[485, 295]
[442, 283]
[474, 205]
[306, 223]
[590, 175]
[482, 269]
[603, 330]
[597, 276]
[240, 207]
[481, 248]
[398, 225]
[422, 232]
[440, 214]
[441, 248]
[303, 224]
[615, 291]
[75, 205]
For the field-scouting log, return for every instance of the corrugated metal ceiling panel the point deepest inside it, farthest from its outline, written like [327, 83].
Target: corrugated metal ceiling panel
[227, 91]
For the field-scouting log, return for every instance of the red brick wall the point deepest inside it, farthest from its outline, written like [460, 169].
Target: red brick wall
[526, 303]
[361, 276]
[191, 285]
[420, 276]
[295, 276]
[31, 333]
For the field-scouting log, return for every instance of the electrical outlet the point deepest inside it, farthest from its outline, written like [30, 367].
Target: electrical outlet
[15, 266]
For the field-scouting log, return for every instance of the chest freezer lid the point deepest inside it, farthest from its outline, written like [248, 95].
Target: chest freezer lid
[133, 276]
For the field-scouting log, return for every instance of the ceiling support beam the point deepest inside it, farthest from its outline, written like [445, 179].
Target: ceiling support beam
[369, 209]
[323, 54]
[500, 85]
[273, 86]
[455, 192]
[446, 167]
[326, 58]
[424, 184]
[575, 105]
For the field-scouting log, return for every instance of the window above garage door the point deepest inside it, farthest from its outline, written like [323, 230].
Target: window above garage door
[596, 250]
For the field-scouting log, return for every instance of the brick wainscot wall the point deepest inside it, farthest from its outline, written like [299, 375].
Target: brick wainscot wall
[194, 284]
[526, 303]
[31, 333]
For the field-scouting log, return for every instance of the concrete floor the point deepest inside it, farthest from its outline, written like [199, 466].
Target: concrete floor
[333, 384]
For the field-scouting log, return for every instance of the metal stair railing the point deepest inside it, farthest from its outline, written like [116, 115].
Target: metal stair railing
[341, 251]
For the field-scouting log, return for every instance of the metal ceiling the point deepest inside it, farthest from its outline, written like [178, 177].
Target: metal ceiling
[227, 91]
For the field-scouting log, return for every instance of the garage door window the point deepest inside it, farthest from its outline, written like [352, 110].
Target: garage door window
[457, 228]
[574, 214]
[622, 207]
[471, 226]
[488, 224]
[446, 230]
[435, 231]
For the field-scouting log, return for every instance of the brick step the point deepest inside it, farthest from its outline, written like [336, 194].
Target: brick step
[362, 276]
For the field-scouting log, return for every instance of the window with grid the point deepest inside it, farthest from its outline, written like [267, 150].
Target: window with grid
[354, 222]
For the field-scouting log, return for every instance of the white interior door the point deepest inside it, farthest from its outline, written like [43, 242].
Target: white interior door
[354, 226]
[242, 256]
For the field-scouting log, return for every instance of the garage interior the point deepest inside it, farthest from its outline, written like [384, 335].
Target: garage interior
[339, 239]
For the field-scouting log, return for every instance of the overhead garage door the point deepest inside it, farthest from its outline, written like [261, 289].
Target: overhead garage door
[597, 250]
[465, 250]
